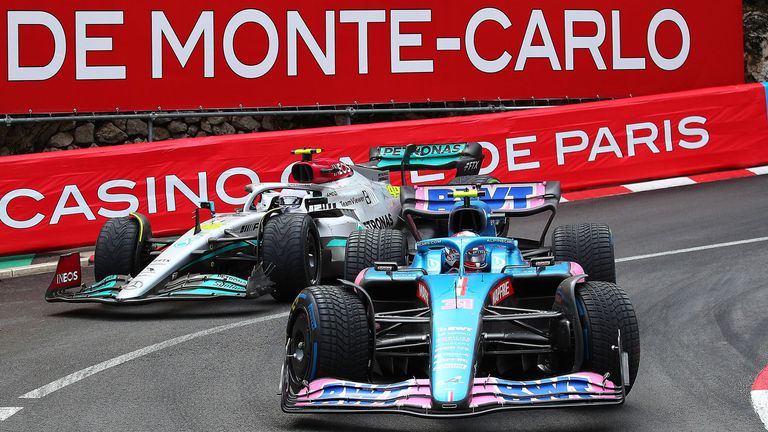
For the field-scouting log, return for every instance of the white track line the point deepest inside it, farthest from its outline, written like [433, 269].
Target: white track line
[85, 373]
[760, 404]
[693, 249]
[6, 412]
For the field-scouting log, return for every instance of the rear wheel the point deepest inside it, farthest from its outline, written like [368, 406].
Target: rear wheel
[120, 249]
[590, 245]
[291, 244]
[329, 336]
[604, 309]
[375, 245]
[501, 228]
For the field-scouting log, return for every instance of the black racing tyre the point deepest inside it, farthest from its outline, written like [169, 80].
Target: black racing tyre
[604, 308]
[291, 244]
[119, 248]
[374, 245]
[328, 336]
[473, 180]
[588, 244]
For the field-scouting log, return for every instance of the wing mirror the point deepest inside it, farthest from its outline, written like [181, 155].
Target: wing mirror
[204, 205]
[315, 201]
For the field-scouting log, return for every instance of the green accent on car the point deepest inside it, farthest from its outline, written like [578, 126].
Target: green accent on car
[423, 151]
[337, 243]
[434, 161]
[108, 282]
[206, 292]
[219, 251]
[225, 286]
[16, 261]
[100, 293]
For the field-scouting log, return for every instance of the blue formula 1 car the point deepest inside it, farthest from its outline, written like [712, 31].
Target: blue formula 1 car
[476, 323]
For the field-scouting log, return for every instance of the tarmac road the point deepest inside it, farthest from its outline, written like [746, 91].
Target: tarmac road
[702, 320]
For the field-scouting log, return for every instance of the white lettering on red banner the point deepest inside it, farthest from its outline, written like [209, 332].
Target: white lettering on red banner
[59, 202]
[108, 55]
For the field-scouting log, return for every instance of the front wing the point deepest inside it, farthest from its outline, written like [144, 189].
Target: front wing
[487, 395]
[191, 287]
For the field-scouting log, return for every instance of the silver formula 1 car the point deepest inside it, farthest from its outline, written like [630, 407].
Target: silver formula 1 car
[288, 235]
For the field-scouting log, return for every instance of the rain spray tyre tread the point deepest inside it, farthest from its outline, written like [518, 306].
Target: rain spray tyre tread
[374, 245]
[606, 309]
[117, 248]
[588, 244]
[285, 247]
[341, 332]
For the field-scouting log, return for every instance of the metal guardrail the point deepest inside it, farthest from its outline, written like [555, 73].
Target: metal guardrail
[350, 111]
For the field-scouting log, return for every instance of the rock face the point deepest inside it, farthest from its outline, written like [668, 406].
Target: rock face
[756, 46]
[177, 127]
[160, 133]
[61, 140]
[84, 134]
[223, 129]
[245, 124]
[53, 136]
[109, 133]
[136, 127]
[27, 137]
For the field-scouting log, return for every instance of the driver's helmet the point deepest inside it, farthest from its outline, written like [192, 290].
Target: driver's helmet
[452, 255]
[475, 259]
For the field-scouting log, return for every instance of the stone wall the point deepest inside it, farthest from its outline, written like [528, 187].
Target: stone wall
[756, 40]
[55, 136]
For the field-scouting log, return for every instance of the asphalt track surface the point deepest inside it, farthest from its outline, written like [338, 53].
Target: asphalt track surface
[702, 317]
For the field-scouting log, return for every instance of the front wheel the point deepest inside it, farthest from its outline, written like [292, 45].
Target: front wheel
[328, 337]
[122, 248]
[604, 309]
[291, 244]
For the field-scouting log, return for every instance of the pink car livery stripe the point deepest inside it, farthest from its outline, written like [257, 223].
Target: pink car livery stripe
[486, 392]
[501, 196]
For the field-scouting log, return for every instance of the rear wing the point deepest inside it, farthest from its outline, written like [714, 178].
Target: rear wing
[466, 158]
[508, 199]
[504, 200]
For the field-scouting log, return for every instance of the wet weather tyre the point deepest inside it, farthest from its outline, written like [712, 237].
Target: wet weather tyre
[329, 336]
[589, 245]
[119, 250]
[604, 308]
[473, 180]
[291, 244]
[374, 245]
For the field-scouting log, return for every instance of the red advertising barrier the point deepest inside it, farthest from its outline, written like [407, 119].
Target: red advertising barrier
[108, 55]
[58, 200]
